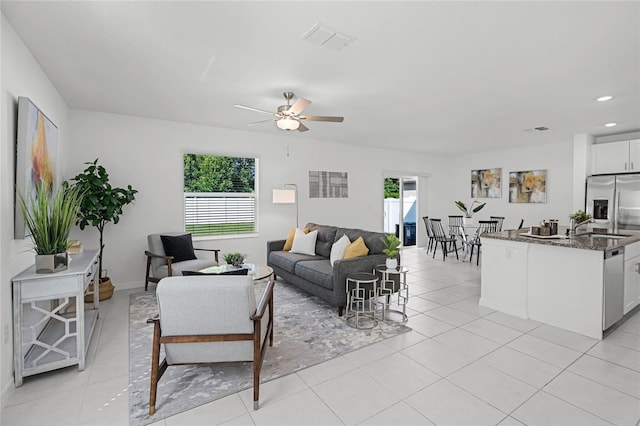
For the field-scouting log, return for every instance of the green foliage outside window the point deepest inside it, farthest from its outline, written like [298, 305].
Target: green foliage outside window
[391, 188]
[212, 173]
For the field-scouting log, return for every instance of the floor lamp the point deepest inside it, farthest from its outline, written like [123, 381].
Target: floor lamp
[287, 196]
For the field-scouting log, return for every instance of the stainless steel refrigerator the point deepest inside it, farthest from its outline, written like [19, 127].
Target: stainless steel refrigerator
[614, 201]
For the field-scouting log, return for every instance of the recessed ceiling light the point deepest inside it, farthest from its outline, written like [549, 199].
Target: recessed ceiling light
[610, 124]
[604, 98]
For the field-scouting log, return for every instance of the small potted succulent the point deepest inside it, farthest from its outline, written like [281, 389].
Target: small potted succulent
[236, 259]
[469, 211]
[391, 244]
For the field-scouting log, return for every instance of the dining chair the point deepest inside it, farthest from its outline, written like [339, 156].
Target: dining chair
[430, 236]
[484, 227]
[441, 237]
[455, 222]
[499, 219]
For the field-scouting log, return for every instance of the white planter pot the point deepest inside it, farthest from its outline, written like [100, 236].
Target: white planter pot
[391, 263]
[468, 221]
[49, 263]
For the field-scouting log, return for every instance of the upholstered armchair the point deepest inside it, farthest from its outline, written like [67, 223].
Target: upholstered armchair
[180, 256]
[211, 319]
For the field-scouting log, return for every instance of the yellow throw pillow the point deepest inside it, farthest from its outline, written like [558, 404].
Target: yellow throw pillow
[289, 243]
[356, 249]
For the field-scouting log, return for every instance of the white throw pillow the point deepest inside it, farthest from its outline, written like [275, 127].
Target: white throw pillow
[304, 243]
[338, 248]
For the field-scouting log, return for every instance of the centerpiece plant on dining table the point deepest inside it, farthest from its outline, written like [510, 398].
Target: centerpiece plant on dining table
[469, 211]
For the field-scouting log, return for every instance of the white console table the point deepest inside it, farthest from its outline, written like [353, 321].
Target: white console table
[48, 333]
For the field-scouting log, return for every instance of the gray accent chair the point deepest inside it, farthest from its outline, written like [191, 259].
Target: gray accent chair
[206, 319]
[159, 265]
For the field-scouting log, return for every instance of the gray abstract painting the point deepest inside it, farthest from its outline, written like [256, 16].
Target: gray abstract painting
[328, 185]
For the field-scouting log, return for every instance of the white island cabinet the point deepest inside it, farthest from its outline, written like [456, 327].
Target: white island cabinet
[559, 282]
[52, 329]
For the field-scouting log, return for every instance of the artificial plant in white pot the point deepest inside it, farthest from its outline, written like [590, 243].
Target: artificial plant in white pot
[49, 216]
[469, 211]
[391, 244]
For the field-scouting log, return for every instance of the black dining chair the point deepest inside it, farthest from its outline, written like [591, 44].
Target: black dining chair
[445, 240]
[484, 227]
[430, 237]
[499, 219]
[455, 222]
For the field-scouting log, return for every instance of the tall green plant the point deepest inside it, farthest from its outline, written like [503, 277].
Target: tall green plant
[49, 217]
[102, 203]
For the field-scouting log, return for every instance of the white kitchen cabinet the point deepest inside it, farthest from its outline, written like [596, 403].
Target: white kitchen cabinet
[634, 155]
[631, 277]
[616, 157]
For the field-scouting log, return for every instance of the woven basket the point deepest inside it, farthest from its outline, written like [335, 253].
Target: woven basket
[105, 291]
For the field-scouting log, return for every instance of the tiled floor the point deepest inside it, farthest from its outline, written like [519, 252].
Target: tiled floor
[461, 364]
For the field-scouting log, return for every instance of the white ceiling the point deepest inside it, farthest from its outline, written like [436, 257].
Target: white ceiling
[443, 77]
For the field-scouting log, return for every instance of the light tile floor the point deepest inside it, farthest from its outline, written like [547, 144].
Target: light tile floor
[461, 364]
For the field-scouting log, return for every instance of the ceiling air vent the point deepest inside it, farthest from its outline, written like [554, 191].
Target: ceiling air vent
[322, 35]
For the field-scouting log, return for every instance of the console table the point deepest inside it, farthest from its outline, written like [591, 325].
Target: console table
[48, 332]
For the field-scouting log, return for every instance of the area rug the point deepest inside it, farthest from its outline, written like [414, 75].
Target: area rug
[307, 331]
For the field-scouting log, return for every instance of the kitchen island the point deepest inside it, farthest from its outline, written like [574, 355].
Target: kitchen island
[561, 281]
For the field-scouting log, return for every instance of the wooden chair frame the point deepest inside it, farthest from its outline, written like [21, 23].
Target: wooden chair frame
[169, 260]
[158, 368]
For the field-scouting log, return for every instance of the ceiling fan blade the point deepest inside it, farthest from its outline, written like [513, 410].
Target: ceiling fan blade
[299, 106]
[253, 123]
[302, 128]
[255, 109]
[321, 118]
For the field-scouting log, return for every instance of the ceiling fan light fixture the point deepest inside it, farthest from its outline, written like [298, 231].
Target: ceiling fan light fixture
[287, 123]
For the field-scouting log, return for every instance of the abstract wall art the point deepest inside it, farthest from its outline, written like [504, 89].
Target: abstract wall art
[528, 186]
[36, 156]
[486, 183]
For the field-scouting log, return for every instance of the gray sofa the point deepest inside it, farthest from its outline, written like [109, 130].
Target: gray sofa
[315, 273]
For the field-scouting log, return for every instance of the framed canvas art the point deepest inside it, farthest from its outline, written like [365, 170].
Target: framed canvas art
[486, 183]
[528, 186]
[328, 184]
[36, 156]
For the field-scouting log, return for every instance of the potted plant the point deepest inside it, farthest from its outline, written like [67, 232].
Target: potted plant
[580, 216]
[391, 244]
[49, 217]
[100, 205]
[468, 212]
[235, 259]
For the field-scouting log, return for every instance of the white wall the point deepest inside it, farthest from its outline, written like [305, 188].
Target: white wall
[557, 159]
[21, 76]
[147, 154]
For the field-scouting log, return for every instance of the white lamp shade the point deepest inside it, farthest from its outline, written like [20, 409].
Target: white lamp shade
[284, 196]
[287, 123]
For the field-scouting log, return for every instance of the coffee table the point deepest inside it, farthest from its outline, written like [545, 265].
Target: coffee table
[257, 272]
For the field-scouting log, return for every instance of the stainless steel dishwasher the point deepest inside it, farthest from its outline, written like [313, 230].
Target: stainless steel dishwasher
[613, 287]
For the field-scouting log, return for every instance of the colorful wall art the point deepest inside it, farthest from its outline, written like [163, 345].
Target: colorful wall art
[486, 183]
[528, 186]
[328, 185]
[36, 156]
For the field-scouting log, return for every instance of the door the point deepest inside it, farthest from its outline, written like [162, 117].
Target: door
[628, 202]
[634, 155]
[612, 157]
[400, 208]
[600, 197]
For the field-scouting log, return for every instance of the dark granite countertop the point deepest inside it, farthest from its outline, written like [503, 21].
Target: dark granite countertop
[581, 241]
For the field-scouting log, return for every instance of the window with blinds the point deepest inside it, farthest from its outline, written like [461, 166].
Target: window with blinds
[220, 196]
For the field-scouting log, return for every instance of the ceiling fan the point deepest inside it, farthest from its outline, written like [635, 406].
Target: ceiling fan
[288, 116]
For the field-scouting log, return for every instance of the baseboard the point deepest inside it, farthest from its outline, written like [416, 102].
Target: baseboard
[7, 390]
[520, 313]
[129, 286]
